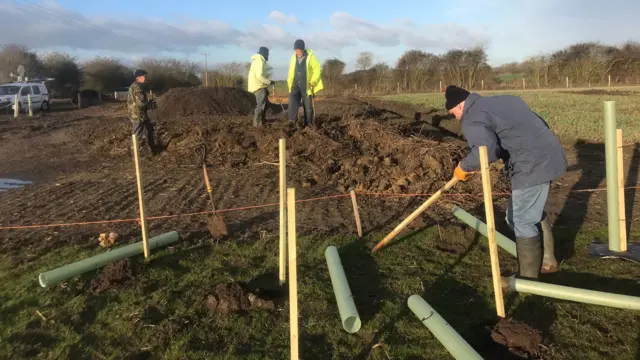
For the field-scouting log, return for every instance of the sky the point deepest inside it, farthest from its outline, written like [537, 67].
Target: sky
[233, 31]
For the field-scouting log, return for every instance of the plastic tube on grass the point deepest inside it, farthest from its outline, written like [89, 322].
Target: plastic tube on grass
[347, 308]
[450, 339]
[505, 243]
[56, 276]
[574, 294]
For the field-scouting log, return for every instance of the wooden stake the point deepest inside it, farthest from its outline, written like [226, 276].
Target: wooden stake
[29, 104]
[415, 214]
[143, 220]
[293, 273]
[609, 80]
[621, 203]
[356, 213]
[16, 107]
[283, 212]
[491, 231]
[524, 84]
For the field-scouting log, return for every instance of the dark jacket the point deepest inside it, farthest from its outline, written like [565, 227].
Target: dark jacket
[512, 132]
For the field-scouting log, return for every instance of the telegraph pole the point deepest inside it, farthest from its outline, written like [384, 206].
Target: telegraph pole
[206, 70]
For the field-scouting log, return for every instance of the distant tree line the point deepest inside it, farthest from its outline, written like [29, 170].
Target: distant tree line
[579, 65]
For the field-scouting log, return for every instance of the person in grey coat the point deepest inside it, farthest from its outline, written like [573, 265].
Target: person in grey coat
[533, 158]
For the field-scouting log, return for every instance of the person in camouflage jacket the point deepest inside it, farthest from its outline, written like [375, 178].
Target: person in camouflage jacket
[137, 104]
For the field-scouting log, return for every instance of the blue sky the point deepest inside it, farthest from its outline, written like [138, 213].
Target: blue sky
[233, 30]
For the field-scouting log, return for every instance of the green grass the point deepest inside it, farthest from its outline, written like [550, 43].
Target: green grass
[572, 116]
[160, 314]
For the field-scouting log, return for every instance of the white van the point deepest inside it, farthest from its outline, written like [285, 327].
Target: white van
[38, 91]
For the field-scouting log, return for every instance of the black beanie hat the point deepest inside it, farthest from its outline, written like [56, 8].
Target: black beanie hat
[139, 72]
[454, 96]
[298, 45]
[264, 52]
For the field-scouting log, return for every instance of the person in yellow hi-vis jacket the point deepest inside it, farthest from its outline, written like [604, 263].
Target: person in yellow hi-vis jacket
[304, 81]
[258, 82]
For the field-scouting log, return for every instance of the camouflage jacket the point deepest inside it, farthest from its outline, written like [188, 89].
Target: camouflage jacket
[137, 103]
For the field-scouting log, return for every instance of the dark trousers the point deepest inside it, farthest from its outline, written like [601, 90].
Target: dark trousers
[262, 99]
[139, 128]
[299, 95]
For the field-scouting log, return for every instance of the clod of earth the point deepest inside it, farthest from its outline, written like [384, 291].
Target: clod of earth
[233, 297]
[116, 273]
[519, 338]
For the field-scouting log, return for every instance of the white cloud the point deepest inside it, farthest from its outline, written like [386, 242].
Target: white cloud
[513, 31]
[281, 18]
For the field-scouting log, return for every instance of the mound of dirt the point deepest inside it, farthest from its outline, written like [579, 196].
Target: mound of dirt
[234, 297]
[519, 338]
[116, 273]
[179, 102]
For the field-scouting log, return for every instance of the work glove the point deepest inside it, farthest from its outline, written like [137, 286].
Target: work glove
[312, 84]
[272, 82]
[460, 174]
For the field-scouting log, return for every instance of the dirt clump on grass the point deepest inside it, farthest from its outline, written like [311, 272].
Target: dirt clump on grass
[205, 101]
[521, 339]
[116, 273]
[234, 297]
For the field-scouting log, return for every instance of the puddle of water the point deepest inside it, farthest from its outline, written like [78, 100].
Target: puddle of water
[8, 184]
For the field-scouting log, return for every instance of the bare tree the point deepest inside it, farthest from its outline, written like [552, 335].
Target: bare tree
[14, 55]
[165, 74]
[66, 73]
[106, 74]
[365, 60]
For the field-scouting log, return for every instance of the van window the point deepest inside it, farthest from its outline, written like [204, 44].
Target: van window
[9, 90]
[25, 91]
[36, 89]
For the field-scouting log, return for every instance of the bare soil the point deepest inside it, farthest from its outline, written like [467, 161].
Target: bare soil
[114, 274]
[234, 297]
[521, 340]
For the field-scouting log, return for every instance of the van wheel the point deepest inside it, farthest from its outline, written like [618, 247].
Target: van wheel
[45, 106]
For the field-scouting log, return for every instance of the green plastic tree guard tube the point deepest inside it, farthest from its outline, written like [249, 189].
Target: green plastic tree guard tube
[63, 273]
[575, 294]
[450, 339]
[611, 156]
[347, 308]
[504, 242]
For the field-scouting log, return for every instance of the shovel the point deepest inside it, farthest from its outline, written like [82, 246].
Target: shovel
[415, 214]
[215, 222]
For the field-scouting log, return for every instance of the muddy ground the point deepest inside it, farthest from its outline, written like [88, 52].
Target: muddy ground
[82, 171]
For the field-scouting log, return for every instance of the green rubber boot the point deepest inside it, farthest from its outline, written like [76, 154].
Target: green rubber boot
[529, 256]
[549, 262]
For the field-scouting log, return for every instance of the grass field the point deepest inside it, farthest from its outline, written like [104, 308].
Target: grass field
[572, 114]
[161, 316]
[160, 313]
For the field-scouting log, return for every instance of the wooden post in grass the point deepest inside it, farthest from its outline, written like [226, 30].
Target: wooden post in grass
[440, 87]
[282, 276]
[609, 80]
[491, 231]
[143, 219]
[356, 213]
[398, 86]
[524, 84]
[115, 95]
[482, 82]
[293, 273]
[621, 204]
[29, 104]
[567, 80]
